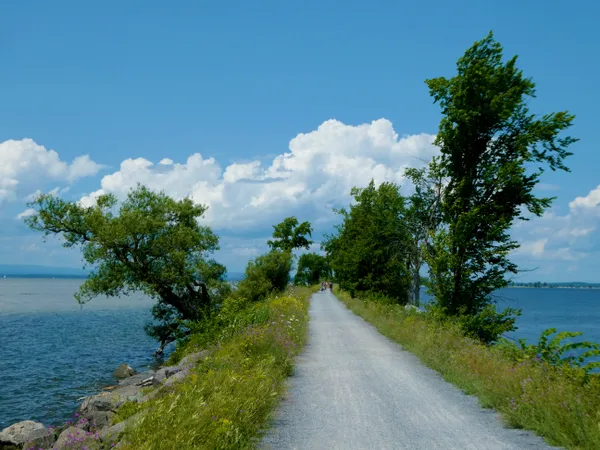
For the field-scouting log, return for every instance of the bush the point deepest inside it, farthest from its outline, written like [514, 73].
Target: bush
[267, 273]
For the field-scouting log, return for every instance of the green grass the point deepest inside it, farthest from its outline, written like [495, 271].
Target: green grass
[559, 403]
[227, 400]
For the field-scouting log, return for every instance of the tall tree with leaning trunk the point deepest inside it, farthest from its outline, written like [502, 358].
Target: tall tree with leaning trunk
[493, 151]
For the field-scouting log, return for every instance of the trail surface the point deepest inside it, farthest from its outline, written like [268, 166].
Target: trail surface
[355, 389]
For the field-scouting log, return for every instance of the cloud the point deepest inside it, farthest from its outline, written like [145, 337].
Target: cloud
[569, 237]
[28, 212]
[26, 166]
[316, 173]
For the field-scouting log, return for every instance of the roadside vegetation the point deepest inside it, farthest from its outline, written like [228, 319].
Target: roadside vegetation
[456, 225]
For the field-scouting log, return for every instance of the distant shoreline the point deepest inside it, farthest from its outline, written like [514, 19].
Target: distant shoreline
[553, 287]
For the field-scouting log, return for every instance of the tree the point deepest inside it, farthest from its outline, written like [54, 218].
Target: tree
[312, 268]
[493, 151]
[154, 244]
[359, 253]
[265, 274]
[290, 235]
[421, 219]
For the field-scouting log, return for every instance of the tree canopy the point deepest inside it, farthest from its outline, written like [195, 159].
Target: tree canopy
[152, 244]
[360, 253]
[493, 151]
[312, 268]
[291, 235]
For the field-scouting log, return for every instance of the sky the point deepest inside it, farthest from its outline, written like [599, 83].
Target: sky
[267, 109]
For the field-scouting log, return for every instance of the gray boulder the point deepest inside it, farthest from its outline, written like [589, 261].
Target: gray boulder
[124, 371]
[95, 420]
[193, 358]
[109, 401]
[74, 438]
[137, 379]
[174, 379]
[162, 374]
[26, 434]
[113, 433]
[7, 442]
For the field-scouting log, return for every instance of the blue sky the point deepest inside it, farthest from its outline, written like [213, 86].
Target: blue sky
[310, 94]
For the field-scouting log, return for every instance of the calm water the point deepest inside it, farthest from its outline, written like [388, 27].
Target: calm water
[563, 309]
[53, 352]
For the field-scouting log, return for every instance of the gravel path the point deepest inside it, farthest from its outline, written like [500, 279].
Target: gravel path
[355, 389]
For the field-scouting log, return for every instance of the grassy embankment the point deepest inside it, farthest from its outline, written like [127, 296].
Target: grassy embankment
[227, 400]
[559, 403]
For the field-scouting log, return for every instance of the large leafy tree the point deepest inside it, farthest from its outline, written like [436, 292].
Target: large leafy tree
[312, 268]
[291, 235]
[493, 151]
[150, 243]
[359, 253]
[421, 219]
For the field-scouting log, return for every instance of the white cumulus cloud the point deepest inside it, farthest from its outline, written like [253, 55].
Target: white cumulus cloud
[316, 173]
[26, 166]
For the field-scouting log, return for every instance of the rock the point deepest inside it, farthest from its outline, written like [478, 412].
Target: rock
[110, 401]
[148, 396]
[124, 371]
[7, 442]
[136, 379]
[26, 434]
[38, 439]
[112, 434]
[74, 438]
[174, 379]
[21, 430]
[193, 358]
[95, 420]
[162, 374]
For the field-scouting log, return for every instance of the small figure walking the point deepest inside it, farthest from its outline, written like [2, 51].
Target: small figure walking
[331, 286]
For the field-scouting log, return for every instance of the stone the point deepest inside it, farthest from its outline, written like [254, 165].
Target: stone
[26, 435]
[162, 374]
[113, 433]
[40, 439]
[74, 438]
[124, 371]
[174, 379]
[193, 358]
[148, 396]
[7, 442]
[21, 430]
[136, 379]
[95, 420]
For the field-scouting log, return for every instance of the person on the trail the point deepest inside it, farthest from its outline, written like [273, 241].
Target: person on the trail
[331, 286]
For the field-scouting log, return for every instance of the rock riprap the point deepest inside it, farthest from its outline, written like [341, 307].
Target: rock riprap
[93, 429]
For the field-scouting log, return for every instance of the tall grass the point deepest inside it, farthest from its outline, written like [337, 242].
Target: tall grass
[227, 399]
[560, 403]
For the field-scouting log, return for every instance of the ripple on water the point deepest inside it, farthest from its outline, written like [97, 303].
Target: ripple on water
[50, 358]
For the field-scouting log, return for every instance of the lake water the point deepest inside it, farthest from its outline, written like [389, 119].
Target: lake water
[53, 352]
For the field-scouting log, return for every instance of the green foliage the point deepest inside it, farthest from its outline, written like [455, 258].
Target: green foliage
[489, 144]
[553, 351]
[265, 274]
[153, 244]
[228, 398]
[312, 268]
[560, 402]
[360, 253]
[489, 324]
[290, 235]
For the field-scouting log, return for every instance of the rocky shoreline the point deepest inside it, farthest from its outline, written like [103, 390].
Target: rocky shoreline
[96, 425]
